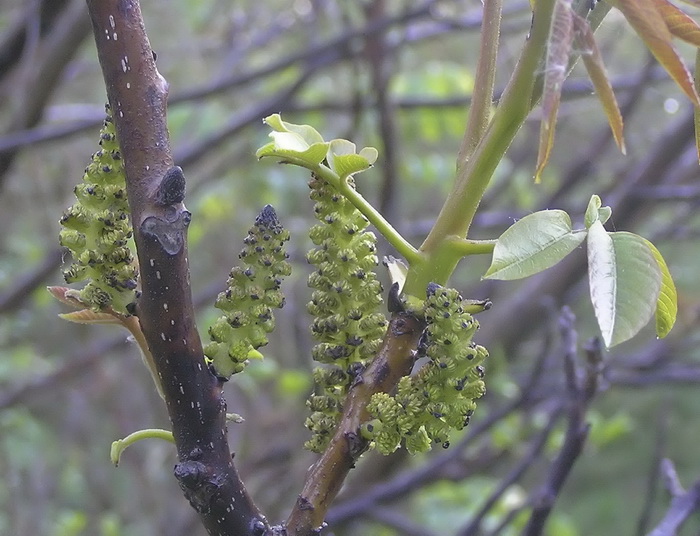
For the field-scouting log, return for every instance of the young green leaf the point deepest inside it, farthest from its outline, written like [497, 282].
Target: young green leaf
[533, 244]
[625, 280]
[309, 134]
[667, 303]
[344, 160]
[595, 212]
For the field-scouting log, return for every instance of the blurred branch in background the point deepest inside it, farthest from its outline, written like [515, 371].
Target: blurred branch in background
[387, 71]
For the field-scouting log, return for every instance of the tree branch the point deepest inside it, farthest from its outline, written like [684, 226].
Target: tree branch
[137, 94]
[683, 504]
[580, 394]
[326, 476]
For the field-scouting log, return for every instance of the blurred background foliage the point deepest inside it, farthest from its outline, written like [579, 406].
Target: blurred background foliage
[396, 75]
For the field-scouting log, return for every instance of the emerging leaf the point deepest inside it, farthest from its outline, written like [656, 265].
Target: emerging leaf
[679, 24]
[595, 212]
[624, 279]
[533, 244]
[667, 304]
[88, 316]
[309, 134]
[561, 37]
[343, 159]
[647, 19]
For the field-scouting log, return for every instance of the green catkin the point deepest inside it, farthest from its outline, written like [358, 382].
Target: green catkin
[253, 291]
[97, 229]
[441, 396]
[344, 304]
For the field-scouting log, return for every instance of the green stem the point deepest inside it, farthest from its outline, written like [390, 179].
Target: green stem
[473, 247]
[484, 81]
[120, 445]
[457, 213]
[398, 242]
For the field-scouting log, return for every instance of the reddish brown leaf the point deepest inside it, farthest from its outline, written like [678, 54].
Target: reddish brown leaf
[593, 61]
[647, 20]
[88, 316]
[561, 37]
[64, 295]
[679, 23]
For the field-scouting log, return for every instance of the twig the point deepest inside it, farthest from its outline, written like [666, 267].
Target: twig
[398, 521]
[514, 475]
[580, 394]
[20, 289]
[660, 444]
[683, 503]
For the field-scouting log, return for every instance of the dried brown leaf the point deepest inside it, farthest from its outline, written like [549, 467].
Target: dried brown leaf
[593, 62]
[561, 37]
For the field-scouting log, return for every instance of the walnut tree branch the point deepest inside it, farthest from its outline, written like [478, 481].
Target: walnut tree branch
[326, 476]
[137, 95]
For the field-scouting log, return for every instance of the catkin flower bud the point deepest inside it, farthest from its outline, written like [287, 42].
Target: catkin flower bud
[344, 303]
[97, 230]
[253, 291]
[441, 396]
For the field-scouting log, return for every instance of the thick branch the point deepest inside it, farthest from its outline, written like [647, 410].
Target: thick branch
[137, 95]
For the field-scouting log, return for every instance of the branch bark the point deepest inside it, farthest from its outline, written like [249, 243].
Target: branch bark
[137, 95]
[326, 476]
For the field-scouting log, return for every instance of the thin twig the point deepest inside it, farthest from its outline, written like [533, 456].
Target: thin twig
[577, 429]
[514, 475]
[660, 445]
[683, 503]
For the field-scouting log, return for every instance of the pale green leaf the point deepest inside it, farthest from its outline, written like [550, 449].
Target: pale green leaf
[667, 304]
[290, 145]
[533, 244]
[624, 279]
[307, 132]
[343, 159]
[595, 212]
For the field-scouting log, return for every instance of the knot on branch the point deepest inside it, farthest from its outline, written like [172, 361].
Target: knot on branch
[198, 484]
[169, 233]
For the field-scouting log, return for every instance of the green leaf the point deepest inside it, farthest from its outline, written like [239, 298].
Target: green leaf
[306, 132]
[667, 303]
[533, 244]
[625, 280]
[344, 160]
[595, 212]
[294, 142]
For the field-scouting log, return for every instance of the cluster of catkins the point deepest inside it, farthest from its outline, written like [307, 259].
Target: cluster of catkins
[440, 396]
[253, 291]
[344, 304]
[97, 230]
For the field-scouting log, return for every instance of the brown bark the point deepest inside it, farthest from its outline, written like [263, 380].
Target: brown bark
[137, 95]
